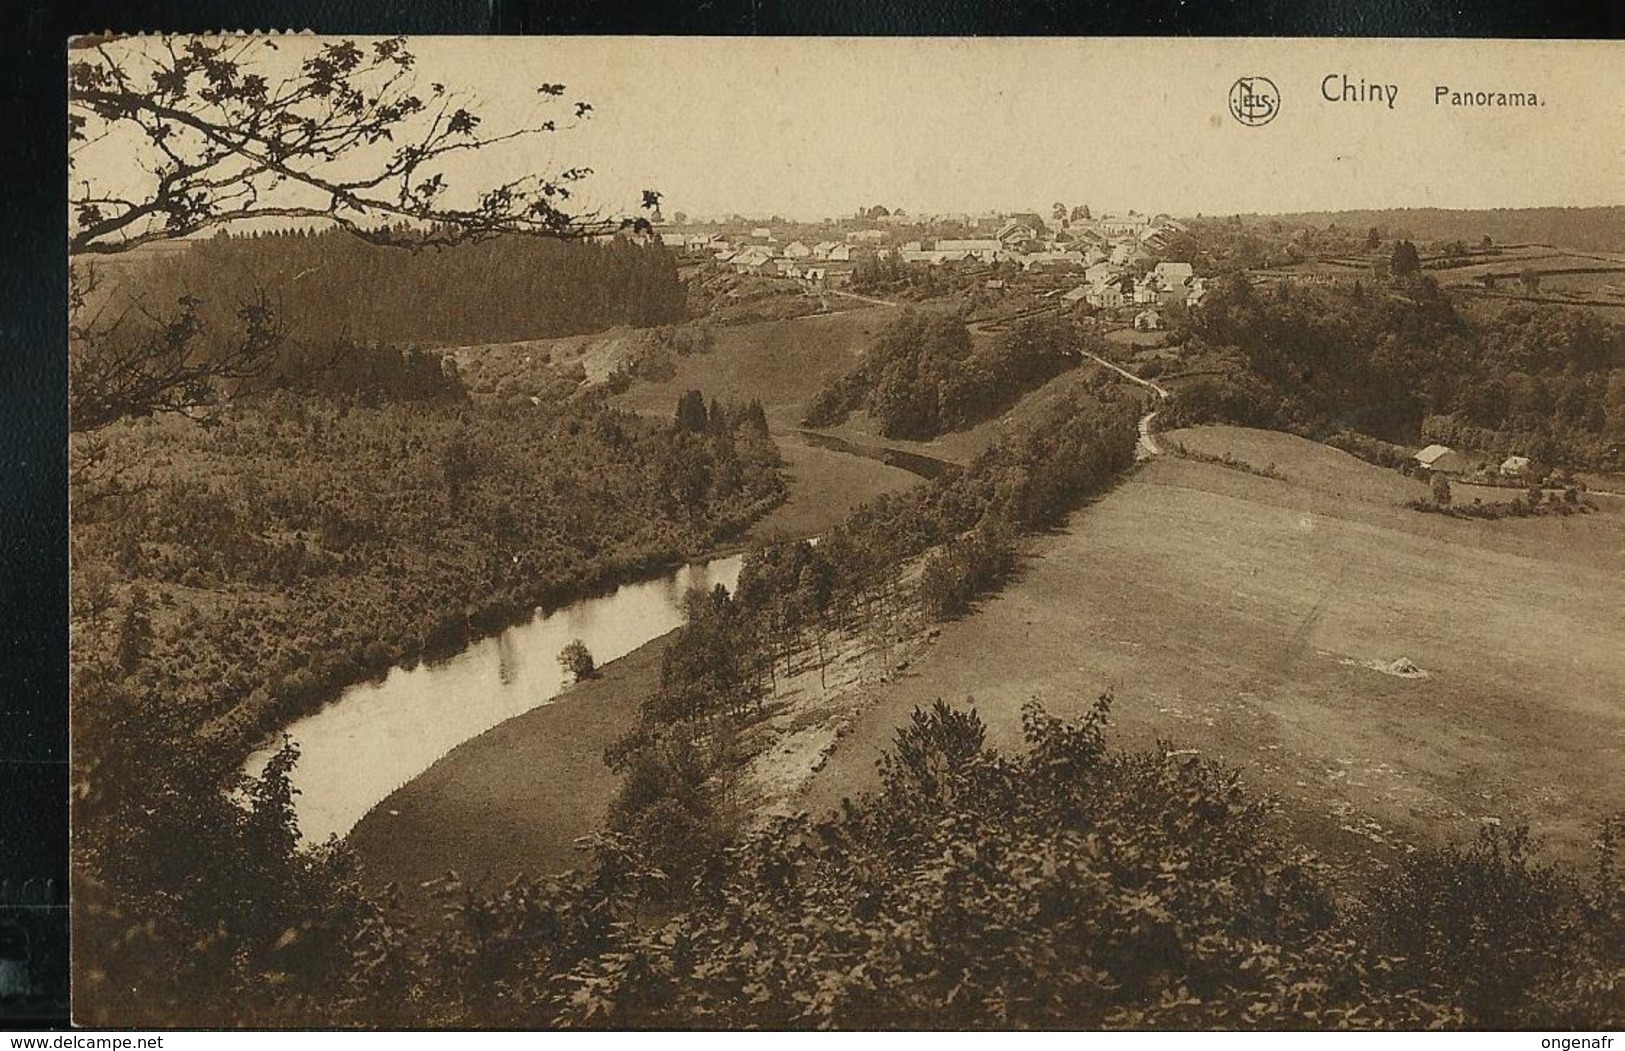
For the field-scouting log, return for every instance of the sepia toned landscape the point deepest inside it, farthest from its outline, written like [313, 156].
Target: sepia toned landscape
[1131, 570]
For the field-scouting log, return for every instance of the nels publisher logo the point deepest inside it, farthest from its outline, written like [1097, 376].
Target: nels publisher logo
[1254, 100]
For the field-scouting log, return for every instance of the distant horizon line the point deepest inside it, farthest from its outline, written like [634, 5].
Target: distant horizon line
[248, 226]
[1041, 213]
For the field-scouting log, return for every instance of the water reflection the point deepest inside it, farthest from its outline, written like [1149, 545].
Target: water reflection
[379, 735]
[507, 659]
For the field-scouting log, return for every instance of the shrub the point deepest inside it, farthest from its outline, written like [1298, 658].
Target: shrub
[1516, 944]
[1068, 886]
[577, 661]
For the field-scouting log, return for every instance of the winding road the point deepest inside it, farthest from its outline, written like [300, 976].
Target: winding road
[1147, 446]
[1144, 449]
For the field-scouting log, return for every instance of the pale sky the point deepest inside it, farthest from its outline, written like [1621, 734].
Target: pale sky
[810, 128]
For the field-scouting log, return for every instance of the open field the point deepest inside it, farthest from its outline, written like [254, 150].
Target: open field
[1236, 614]
[780, 363]
[825, 487]
[514, 799]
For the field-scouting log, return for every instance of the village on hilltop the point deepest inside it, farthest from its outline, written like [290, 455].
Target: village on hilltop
[1111, 263]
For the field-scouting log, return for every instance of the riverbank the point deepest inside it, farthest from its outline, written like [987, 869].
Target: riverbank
[514, 799]
[258, 723]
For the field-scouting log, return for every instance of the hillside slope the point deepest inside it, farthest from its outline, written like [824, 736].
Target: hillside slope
[1244, 616]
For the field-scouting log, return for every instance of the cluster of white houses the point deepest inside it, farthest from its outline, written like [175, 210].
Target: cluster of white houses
[1026, 240]
[1107, 286]
[762, 253]
[1114, 242]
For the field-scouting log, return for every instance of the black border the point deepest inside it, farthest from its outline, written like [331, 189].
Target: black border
[33, 283]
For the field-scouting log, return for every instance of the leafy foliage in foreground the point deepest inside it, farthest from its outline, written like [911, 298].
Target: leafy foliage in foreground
[1066, 886]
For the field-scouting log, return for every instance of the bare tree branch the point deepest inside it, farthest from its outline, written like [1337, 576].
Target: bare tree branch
[229, 130]
[234, 144]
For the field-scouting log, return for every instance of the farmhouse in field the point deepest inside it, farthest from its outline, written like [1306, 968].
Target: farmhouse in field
[1515, 466]
[1441, 458]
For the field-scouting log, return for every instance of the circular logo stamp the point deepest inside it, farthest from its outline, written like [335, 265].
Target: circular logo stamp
[1254, 100]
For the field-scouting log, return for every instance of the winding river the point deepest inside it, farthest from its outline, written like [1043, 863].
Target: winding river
[377, 736]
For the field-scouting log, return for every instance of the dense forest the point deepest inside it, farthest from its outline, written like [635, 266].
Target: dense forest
[923, 376]
[330, 286]
[1401, 360]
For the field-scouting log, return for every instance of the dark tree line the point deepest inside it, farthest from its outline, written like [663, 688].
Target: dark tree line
[1400, 360]
[331, 285]
[923, 377]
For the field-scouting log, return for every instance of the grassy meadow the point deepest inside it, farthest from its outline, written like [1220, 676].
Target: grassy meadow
[1241, 616]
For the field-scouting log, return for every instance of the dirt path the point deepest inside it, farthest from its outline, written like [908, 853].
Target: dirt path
[1147, 446]
[866, 299]
[1150, 385]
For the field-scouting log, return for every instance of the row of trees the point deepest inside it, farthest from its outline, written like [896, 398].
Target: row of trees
[330, 284]
[923, 376]
[677, 766]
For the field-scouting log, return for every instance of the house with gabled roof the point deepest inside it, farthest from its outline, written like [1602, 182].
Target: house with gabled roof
[1441, 458]
[1015, 232]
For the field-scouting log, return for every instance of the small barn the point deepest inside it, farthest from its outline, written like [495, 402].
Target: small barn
[1441, 458]
[1515, 466]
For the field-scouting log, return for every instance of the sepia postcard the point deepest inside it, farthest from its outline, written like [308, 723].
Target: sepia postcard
[975, 534]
